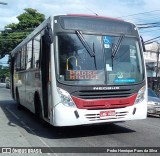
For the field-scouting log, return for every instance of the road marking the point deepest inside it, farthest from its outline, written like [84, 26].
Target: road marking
[25, 125]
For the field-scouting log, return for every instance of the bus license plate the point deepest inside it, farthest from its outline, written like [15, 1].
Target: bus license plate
[107, 113]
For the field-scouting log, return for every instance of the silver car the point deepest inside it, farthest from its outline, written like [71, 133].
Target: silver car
[153, 103]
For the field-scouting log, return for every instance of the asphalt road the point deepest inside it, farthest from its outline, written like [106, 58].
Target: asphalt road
[20, 128]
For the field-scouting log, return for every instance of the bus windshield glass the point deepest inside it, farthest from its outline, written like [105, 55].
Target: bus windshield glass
[76, 66]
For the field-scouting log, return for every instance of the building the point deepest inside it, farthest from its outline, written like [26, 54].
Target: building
[152, 59]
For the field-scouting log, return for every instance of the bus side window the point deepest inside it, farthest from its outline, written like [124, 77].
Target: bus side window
[23, 58]
[36, 51]
[18, 61]
[29, 55]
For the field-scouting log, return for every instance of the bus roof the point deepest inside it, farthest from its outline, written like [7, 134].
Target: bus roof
[95, 16]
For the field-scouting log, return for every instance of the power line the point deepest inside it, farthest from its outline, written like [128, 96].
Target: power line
[149, 23]
[152, 39]
[149, 31]
[3, 3]
[139, 13]
[92, 11]
[150, 26]
[145, 17]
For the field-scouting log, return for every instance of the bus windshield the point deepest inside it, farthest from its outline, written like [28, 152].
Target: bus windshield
[76, 66]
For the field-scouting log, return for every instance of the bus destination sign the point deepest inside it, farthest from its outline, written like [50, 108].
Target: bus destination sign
[72, 75]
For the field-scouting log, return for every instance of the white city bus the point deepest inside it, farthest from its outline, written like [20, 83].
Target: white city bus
[81, 69]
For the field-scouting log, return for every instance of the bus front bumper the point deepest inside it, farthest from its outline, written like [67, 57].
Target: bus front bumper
[70, 116]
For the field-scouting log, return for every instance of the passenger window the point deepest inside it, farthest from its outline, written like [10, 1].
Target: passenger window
[18, 61]
[36, 51]
[29, 55]
[23, 58]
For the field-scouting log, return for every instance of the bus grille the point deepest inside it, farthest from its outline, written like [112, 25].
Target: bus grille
[96, 117]
[102, 94]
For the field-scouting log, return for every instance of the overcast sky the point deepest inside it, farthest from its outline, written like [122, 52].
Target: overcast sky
[111, 8]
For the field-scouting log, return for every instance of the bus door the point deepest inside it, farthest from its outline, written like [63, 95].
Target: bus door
[12, 61]
[45, 63]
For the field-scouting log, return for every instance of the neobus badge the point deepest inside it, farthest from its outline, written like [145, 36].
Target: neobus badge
[105, 88]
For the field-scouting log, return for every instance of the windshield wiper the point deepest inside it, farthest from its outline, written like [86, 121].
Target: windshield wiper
[84, 42]
[117, 46]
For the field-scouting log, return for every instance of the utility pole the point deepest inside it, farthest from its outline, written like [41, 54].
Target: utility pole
[157, 60]
[157, 66]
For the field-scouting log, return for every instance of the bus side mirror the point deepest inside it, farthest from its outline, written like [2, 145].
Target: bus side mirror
[143, 46]
[48, 34]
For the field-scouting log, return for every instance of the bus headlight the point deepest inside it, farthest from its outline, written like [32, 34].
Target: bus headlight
[140, 95]
[66, 98]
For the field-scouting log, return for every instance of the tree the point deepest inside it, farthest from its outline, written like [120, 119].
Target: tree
[4, 72]
[15, 33]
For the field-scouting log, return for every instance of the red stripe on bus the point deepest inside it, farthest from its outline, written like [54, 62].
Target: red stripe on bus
[104, 103]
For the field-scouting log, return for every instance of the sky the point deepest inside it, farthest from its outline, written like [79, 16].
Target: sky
[4, 60]
[136, 11]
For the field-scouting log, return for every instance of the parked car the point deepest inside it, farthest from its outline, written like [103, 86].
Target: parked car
[8, 84]
[153, 105]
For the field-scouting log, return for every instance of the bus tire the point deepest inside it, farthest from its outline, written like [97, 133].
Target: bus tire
[19, 106]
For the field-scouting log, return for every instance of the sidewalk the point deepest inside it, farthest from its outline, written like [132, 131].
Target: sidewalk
[11, 131]
[10, 136]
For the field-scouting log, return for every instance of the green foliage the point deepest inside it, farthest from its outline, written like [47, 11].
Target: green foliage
[29, 19]
[15, 33]
[4, 72]
[10, 40]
